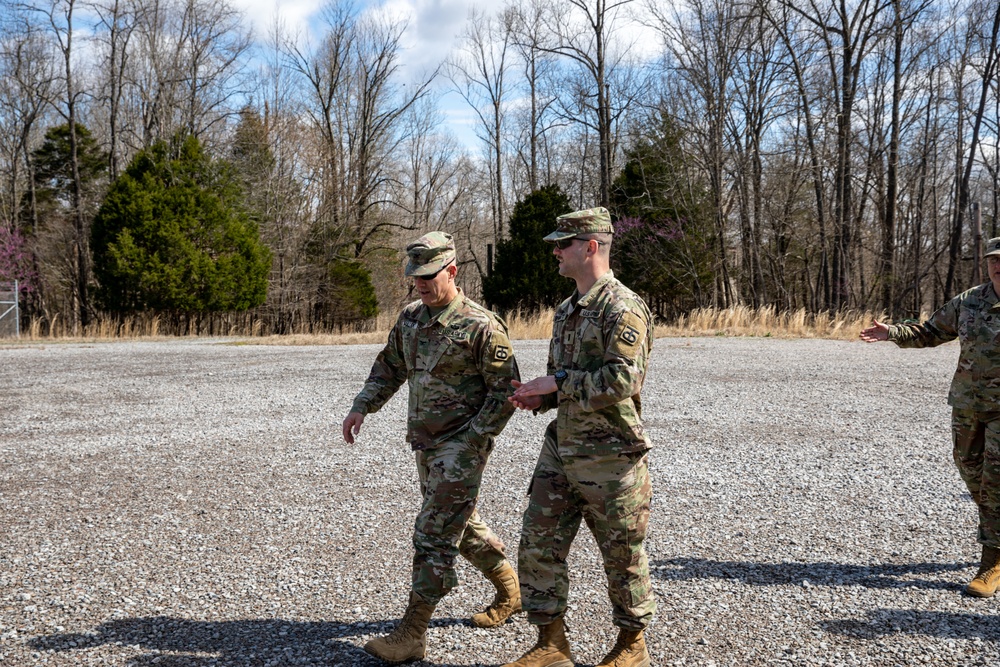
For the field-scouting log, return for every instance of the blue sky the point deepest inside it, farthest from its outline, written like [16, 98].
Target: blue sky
[433, 26]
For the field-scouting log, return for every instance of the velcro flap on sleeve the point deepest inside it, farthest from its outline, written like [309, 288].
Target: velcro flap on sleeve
[629, 336]
[499, 353]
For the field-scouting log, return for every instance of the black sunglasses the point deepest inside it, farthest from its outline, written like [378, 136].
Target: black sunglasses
[562, 244]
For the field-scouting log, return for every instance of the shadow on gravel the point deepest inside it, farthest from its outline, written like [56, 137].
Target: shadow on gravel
[882, 622]
[816, 574]
[248, 642]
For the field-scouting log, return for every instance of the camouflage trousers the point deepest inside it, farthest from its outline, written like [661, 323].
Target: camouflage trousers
[977, 454]
[612, 494]
[448, 523]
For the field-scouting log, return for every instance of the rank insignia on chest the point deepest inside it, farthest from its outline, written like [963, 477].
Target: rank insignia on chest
[501, 353]
[568, 337]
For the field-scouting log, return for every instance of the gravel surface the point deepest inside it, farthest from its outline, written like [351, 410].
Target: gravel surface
[192, 503]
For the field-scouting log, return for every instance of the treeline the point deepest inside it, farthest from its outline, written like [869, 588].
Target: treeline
[785, 153]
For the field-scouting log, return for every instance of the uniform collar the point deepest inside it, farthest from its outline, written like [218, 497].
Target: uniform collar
[597, 287]
[989, 295]
[445, 317]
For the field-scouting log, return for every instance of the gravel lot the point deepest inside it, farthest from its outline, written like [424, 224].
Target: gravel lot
[192, 503]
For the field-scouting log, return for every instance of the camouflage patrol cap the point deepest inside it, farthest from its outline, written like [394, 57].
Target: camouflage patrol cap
[429, 254]
[589, 221]
[992, 247]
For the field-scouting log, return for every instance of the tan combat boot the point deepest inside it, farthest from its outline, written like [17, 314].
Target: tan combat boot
[988, 578]
[507, 601]
[551, 650]
[629, 651]
[408, 641]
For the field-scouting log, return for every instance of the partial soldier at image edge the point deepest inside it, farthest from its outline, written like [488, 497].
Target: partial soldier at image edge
[973, 317]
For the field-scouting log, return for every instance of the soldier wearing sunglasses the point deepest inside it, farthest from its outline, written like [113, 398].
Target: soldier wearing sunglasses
[593, 463]
[457, 360]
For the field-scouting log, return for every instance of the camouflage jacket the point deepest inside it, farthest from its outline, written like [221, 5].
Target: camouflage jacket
[974, 318]
[458, 365]
[602, 340]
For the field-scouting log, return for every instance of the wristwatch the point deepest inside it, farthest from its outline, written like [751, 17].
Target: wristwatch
[560, 376]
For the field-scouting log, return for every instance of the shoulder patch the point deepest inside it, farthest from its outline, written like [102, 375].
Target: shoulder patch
[499, 352]
[629, 335]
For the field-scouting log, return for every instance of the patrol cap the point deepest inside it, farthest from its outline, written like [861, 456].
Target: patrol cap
[992, 247]
[589, 221]
[429, 254]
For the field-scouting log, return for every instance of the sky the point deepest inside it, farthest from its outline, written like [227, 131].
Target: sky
[433, 28]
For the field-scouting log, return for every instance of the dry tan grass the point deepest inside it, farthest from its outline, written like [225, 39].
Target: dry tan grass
[530, 326]
[737, 321]
[768, 322]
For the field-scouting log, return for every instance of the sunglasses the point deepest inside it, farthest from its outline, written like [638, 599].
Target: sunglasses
[562, 244]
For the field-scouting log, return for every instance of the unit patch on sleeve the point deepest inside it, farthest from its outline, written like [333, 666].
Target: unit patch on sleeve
[629, 334]
[499, 352]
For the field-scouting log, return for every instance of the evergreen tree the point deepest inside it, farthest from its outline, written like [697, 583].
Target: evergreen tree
[173, 235]
[525, 273]
[663, 230]
[54, 172]
[346, 294]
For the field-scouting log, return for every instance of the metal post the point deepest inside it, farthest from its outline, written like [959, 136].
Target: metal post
[17, 312]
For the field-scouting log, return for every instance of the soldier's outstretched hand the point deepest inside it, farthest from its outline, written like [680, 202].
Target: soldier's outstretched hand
[521, 399]
[875, 333]
[352, 425]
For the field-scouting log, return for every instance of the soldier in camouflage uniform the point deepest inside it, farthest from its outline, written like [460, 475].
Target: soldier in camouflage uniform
[593, 463]
[974, 318]
[457, 359]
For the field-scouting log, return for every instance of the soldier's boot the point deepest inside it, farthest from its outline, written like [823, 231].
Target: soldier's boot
[629, 651]
[987, 580]
[408, 641]
[551, 649]
[507, 601]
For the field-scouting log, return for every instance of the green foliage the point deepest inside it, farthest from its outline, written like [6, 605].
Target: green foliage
[663, 228]
[347, 294]
[525, 273]
[173, 235]
[54, 168]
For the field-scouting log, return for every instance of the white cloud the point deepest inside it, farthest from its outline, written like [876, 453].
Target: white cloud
[432, 25]
[295, 15]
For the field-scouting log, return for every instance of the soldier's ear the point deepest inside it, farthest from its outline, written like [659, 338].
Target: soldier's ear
[452, 269]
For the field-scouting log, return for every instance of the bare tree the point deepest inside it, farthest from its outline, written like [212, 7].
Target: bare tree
[530, 38]
[584, 37]
[27, 79]
[703, 39]
[215, 46]
[479, 73]
[58, 15]
[847, 34]
[988, 56]
[116, 20]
